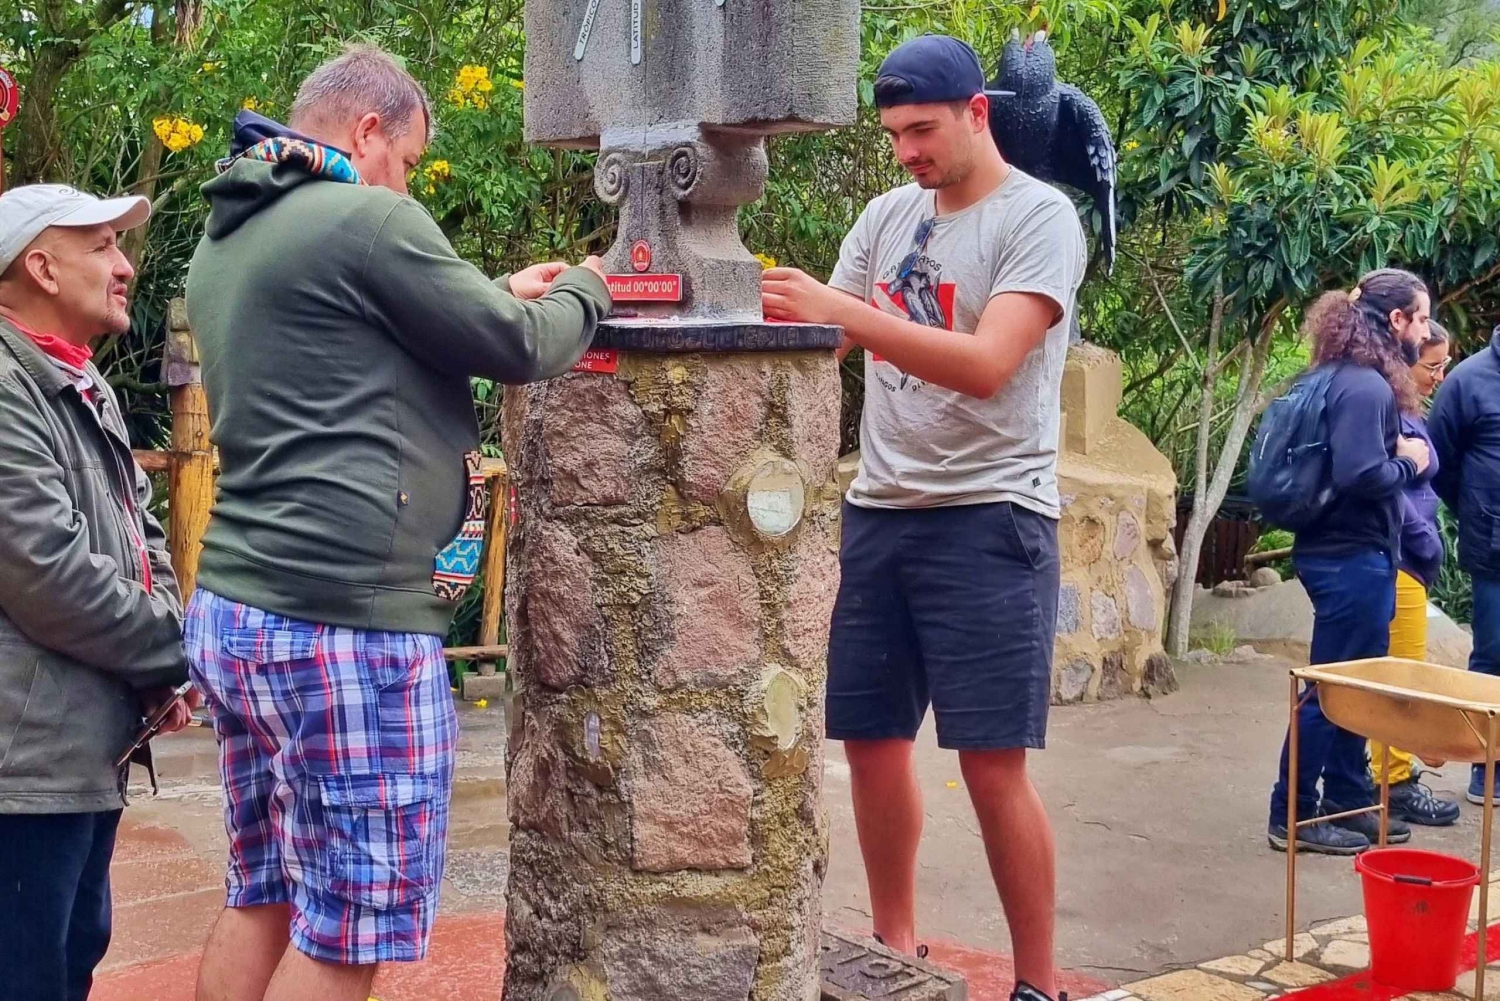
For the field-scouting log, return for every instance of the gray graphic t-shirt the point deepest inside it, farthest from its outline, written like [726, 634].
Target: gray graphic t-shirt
[925, 446]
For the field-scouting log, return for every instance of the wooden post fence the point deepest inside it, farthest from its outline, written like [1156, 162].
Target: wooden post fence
[190, 483]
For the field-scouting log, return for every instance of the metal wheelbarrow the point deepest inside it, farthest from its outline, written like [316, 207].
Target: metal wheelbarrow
[1440, 714]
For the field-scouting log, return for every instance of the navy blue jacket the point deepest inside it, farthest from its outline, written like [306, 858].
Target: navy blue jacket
[1465, 428]
[1421, 542]
[1368, 477]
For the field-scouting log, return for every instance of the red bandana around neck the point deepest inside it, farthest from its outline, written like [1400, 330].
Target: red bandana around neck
[76, 355]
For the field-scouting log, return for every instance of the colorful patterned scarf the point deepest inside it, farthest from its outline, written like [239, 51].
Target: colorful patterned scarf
[315, 158]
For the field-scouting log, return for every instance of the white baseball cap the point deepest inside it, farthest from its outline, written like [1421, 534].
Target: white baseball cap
[26, 211]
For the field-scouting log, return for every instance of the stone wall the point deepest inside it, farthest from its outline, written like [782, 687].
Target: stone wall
[1118, 557]
[674, 570]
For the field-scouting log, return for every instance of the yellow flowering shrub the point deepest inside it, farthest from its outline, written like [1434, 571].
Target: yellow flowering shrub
[766, 261]
[471, 87]
[250, 104]
[431, 176]
[177, 134]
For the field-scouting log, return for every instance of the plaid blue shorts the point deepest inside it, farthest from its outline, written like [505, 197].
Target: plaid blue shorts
[336, 749]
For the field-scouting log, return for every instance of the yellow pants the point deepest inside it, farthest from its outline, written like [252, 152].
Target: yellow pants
[1408, 641]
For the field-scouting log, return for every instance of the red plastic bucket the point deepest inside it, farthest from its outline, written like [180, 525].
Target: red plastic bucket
[1417, 907]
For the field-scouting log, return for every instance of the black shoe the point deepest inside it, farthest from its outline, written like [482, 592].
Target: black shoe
[1026, 992]
[1324, 839]
[1413, 802]
[1368, 824]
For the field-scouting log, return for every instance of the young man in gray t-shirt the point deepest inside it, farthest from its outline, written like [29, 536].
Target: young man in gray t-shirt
[961, 289]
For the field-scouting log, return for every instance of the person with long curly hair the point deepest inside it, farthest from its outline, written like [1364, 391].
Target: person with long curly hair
[1347, 559]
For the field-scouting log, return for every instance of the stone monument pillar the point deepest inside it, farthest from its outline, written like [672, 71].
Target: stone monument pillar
[673, 555]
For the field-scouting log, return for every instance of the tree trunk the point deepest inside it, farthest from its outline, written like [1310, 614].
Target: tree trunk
[189, 15]
[189, 20]
[69, 27]
[1249, 402]
[39, 151]
[133, 242]
[1192, 538]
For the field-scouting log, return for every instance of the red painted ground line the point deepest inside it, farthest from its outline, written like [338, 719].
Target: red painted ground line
[1360, 987]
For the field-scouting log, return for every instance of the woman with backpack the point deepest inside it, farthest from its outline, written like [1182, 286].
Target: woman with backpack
[1364, 342]
[1421, 559]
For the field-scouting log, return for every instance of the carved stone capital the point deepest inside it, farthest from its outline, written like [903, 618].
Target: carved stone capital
[679, 187]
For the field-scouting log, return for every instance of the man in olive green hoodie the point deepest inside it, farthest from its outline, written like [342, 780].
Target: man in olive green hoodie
[338, 332]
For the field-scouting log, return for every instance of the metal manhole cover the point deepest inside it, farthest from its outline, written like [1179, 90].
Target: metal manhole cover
[860, 969]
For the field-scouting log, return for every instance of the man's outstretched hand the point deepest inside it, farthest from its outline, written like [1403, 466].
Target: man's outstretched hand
[790, 294]
[534, 282]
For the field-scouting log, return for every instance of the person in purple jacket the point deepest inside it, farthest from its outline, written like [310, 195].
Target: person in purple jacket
[1421, 560]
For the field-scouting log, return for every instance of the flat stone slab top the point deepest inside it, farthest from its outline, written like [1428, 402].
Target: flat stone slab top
[860, 969]
[667, 337]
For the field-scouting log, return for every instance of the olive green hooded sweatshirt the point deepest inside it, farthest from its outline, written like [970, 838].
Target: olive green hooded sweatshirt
[338, 332]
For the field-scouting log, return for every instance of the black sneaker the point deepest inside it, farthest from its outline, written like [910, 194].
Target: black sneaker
[1414, 803]
[1324, 839]
[1026, 992]
[1368, 824]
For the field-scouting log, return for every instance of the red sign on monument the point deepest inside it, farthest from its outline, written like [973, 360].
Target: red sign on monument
[640, 256]
[605, 360]
[645, 288]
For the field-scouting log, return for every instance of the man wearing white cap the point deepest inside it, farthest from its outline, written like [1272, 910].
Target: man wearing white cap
[90, 616]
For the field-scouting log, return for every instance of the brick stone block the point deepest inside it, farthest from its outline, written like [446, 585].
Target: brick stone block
[725, 425]
[562, 620]
[809, 605]
[690, 799]
[590, 425]
[709, 591]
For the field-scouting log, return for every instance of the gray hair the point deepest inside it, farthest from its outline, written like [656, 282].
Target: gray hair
[364, 78]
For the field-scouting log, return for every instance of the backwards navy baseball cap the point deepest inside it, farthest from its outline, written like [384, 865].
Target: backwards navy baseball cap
[931, 69]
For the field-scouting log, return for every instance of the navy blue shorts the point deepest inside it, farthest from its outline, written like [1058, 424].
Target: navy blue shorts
[953, 606]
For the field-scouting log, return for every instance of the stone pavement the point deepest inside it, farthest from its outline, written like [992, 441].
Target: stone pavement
[168, 879]
[167, 893]
[168, 887]
[1331, 963]
[1159, 809]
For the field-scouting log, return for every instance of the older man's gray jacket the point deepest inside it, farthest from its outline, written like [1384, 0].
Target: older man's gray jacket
[80, 634]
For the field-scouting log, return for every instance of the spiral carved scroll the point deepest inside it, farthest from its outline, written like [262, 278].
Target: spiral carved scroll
[611, 177]
[683, 168]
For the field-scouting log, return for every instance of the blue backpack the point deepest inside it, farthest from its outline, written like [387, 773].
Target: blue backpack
[1290, 476]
